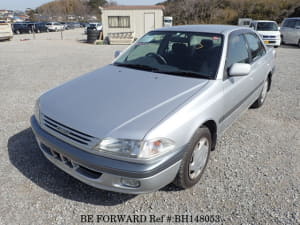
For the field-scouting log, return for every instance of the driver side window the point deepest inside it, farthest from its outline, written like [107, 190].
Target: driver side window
[237, 51]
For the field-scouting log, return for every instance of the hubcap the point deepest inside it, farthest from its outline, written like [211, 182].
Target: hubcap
[199, 158]
[264, 91]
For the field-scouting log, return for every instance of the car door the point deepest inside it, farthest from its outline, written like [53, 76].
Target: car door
[259, 69]
[236, 89]
[290, 28]
[295, 33]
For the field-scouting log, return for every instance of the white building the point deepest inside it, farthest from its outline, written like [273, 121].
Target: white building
[123, 24]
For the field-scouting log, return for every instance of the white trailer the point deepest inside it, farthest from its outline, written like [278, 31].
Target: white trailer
[124, 24]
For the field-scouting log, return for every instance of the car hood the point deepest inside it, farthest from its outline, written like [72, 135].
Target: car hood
[117, 102]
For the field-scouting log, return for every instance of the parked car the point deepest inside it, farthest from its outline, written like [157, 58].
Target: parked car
[290, 31]
[268, 30]
[154, 115]
[5, 31]
[84, 24]
[20, 28]
[93, 26]
[76, 24]
[66, 26]
[55, 26]
[41, 27]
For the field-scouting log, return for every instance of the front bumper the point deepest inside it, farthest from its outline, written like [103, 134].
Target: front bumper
[106, 173]
[272, 42]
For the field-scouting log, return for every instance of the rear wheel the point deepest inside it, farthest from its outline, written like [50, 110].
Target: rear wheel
[262, 97]
[195, 159]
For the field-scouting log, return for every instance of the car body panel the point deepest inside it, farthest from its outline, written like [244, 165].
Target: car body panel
[291, 33]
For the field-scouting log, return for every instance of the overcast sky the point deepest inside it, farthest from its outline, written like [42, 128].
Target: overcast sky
[23, 4]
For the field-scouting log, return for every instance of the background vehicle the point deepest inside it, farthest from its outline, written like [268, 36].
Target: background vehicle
[55, 26]
[40, 27]
[168, 21]
[76, 24]
[244, 22]
[93, 26]
[181, 87]
[5, 31]
[268, 30]
[20, 28]
[66, 26]
[290, 31]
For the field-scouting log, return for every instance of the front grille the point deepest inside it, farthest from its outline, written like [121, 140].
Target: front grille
[268, 36]
[68, 134]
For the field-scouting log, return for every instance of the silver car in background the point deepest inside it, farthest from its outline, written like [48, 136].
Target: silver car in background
[154, 115]
[290, 31]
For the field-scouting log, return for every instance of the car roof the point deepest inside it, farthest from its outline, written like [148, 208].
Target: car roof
[292, 18]
[264, 21]
[207, 28]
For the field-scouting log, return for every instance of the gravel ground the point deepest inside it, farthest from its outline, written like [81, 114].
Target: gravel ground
[252, 177]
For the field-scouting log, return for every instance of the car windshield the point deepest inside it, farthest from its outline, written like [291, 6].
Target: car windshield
[189, 54]
[267, 26]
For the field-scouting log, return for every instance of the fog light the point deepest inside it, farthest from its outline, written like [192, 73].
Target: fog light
[130, 182]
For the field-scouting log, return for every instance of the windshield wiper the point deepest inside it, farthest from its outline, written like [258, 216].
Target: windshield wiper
[137, 66]
[187, 74]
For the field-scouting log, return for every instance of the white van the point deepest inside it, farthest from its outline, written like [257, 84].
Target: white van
[5, 31]
[268, 30]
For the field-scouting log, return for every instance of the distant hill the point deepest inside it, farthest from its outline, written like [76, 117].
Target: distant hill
[228, 11]
[62, 8]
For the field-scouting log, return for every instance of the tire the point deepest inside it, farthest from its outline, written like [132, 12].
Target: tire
[299, 43]
[18, 32]
[29, 32]
[191, 169]
[106, 41]
[282, 41]
[38, 31]
[263, 95]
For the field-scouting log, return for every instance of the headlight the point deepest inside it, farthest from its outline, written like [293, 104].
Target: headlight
[37, 110]
[135, 148]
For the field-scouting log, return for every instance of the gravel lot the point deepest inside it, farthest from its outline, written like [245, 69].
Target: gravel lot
[252, 177]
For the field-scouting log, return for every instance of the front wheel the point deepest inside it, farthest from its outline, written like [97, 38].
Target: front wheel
[195, 159]
[262, 97]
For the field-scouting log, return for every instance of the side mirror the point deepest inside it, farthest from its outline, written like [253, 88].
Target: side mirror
[117, 53]
[239, 69]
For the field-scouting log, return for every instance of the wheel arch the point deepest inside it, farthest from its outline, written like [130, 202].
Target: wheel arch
[270, 80]
[212, 126]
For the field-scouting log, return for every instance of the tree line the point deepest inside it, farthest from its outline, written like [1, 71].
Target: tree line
[63, 8]
[228, 11]
[187, 11]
